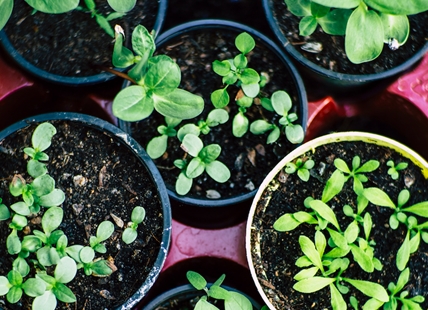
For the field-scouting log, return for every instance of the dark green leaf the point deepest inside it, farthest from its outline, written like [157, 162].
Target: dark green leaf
[179, 104]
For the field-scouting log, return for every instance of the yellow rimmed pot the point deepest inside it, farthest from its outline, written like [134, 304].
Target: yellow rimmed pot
[379, 212]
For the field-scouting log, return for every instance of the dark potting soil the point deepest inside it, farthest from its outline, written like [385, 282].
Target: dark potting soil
[71, 44]
[100, 178]
[333, 57]
[280, 250]
[249, 158]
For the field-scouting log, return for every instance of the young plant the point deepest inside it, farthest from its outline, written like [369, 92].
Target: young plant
[104, 231]
[13, 286]
[302, 168]
[204, 159]
[137, 217]
[120, 8]
[232, 300]
[367, 24]
[157, 79]
[393, 171]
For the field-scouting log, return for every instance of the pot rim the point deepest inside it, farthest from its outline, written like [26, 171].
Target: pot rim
[363, 78]
[7, 46]
[235, 26]
[402, 149]
[136, 149]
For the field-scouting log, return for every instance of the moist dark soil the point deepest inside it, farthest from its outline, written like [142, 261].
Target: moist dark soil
[333, 57]
[100, 177]
[71, 44]
[280, 250]
[249, 158]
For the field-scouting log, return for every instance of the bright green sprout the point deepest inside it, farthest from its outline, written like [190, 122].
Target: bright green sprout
[137, 217]
[393, 171]
[302, 168]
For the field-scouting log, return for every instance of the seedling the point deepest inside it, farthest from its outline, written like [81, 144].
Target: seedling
[232, 300]
[157, 79]
[367, 24]
[325, 260]
[14, 286]
[395, 169]
[302, 168]
[137, 217]
[204, 159]
[104, 231]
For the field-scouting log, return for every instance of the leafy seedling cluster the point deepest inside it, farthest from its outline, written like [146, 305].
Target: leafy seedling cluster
[55, 262]
[333, 249]
[366, 24]
[214, 293]
[156, 80]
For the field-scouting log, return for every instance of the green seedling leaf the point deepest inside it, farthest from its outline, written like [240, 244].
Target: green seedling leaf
[192, 145]
[337, 301]
[53, 199]
[4, 285]
[281, 102]
[86, 255]
[222, 68]
[52, 219]
[179, 104]
[218, 292]
[344, 4]
[308, 248]
[306, 273]
[196, 280]
[122, 5]
[338, 239]
[365, 261]
[378, 197]
[129, 235]
[395, 27]
[43, 185]
[334, 23]
[403, 254]
[314, 284]
[240, 125]
[104, 230]
[244, 43]
[195, 168]
[209, 153]
[370, 289]
[260, 126]
[42, 135]
[157, 146]
[307, 25]
[14, 294]
[66, 269]
[122, 56]
[286, 222]
[104, 24]
[163, 75]
[299, 7]
[364, 35]
[183, 184]
[63, 293]
[237, 301]
[333, 186]
[6, 7]
[251, 90]
[132, 104]
[13, 243]
[20, 208]
[325, 212]
[34, 287]
[218, 171]
[294, 133]
[138, 215]
[217, 117]
[36, 168]
[4, 212]
[203, 304]
[400, 8]
[220, 98]
[45, 302]
[21, 265]
[420, 209]
[101, 268]
[53, 6]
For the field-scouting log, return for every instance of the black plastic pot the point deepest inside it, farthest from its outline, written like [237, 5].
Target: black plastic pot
[339, 84]
[223, 212]
[124, 140]
[70, 80]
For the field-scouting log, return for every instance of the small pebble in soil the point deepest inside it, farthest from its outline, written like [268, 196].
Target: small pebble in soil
[213, 194]
[312, 47]
[79, 180]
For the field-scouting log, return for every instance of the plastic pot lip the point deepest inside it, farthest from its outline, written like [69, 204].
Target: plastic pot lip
[71, 80]
[355, 78]
[189, 290]
[134, 147]
[225, 24]
[312, 145]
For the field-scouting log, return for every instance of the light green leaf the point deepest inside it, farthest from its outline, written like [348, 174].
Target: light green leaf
[364, 260]
[306, 273]
[179, 104]
[52, 219]
[217, 117]
[308, 248]
[273, 135]
[157, 146]
[408, 7]
[286, 222]
[373, 304]
[138, 214]
[420, 209]
[368, 166]
[333, 186]
[6, 7]
[403, 253]
[192, 144]
[19, 207]
[251, 90]
[14, 294]
[42, 136]
[294, 133]
[218, 171]
[66, 269]
[351, 232]
[122, 5]
[237, 301]
[4, 285]
[53, 6]
[63, 293]
[43, 185]
[220, 98]
[34, 287]
[299, 7]
[218, 292]
[195, 168]
[343, 4]
[240, 125]
[45, 302]
[183, 184]
[281, 102]
[203, 304]
[104, 230]
[370, 289]
[314, 284]
[104, 24]
[129, 235]
[325, 212]
[244, 43]
[335, 21]
[395, 27]
[364, 35]
[338, 239]
[196, 280]
[222, 68]
[132, 104]
[378, 197]
[260, 126]
[337, 301]
[36, 168]
[307, 25]
[209, 153]
[163, 75]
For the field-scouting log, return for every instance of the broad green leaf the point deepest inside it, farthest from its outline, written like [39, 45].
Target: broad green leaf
[36, 168]
[369, 166]
[378, 197]
[42, 136]
[101, 268]
[43, 185]
[86, 254]
[303, 174]
[286, 222]
[318, 10]
[403, 197]
[403, 253]
[122, 56]
[303, 261]
[364, 35]
[299, 7]
[220, 98]
[307, 25]
[132, 104]
[138, 214]
[251, 90]
[314, 284]
[21, 265]
[370, 289]
[196, 280]
[4, 285]
[209, 153]
[63, 293]
[273, 135]
[45, 302]
[129, 235]
[395, 27]
[338, 239]
[240, 125]
[217, 117]
[352, 231]
[104, 230]
[34, 287]
[335, 21]
[249, 76]
[19, 207]
[408, 7]
[306, 273]
[122, 5]
[6, 7]
[53, 6]
[343, 4]
[364, 260]
[260, 126]
[294, 133]
[192, 144]
[337, 301]
[157, 146]
[43, 256]
[14, 294]
[373, 304]
[240, 61]
[218, 292]
[222, 68]
[244, 43]
[17, 186]
[341, 165]
[52, 219]
[237, 301]
[195, 168]
[420, 209]
[163, 75]
[281, 102]
[302, 216]
[66, 269]
[183, 184]
[308, 248]
[325, 212]
[179, 104]
[333, 186]
[203, 304]
[13, 243]
[188, 129]
[31, 243]
[14, 278]
[218, 171]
